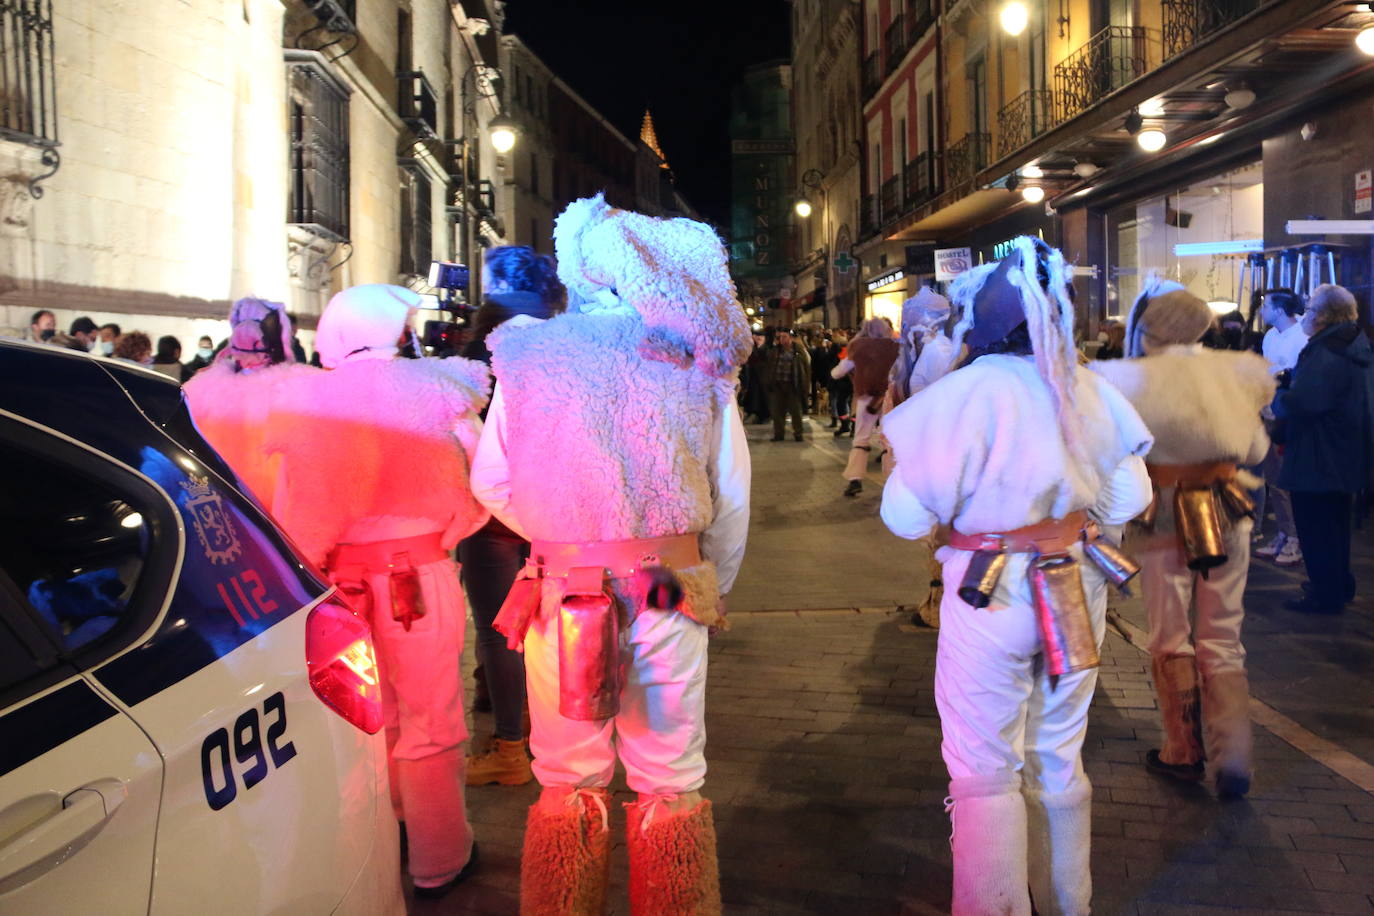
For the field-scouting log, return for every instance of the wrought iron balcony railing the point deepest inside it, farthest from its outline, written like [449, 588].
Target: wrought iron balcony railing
[895, 42]
[1112, 58]
[868, 215]
[920, 16]
[922, 179]
[419, 108]
[1023, 119]
[873, 73]
[317, 105]
[28, 93]
[966, 157]
[890, 200]
[1187, 22]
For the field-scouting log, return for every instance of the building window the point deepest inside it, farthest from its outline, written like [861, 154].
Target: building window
[978, 95]
[417, 229]
[29, 110]
[318, 109]
[534, 174]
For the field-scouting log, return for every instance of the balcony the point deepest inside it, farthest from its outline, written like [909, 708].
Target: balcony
[873, 74]
[1188, 22]
[416, 103]
[1023, 119]
[921, 16]
[28, 91]
[1112, 58]
[895, 42]
[921, 180]
[868, 216]
[965, 158]
[890, 200]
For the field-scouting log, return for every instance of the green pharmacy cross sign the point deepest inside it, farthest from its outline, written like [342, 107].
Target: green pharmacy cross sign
[843, 262]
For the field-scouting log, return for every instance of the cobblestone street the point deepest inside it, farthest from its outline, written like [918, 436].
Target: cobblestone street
[824, 741]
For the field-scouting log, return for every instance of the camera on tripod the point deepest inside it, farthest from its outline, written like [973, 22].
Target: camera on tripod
[445, 338]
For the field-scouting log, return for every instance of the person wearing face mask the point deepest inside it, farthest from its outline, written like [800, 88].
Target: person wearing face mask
[42, 326]
[205, 354]
[373, 487]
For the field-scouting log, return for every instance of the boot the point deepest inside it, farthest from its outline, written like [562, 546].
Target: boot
[439, 838]
[854, 488]
[1176, 689]
[1060, 829]
[566, 862]
[1226, 726]
[504, 762]
[989, 843]
[834, 421]
[673, 868]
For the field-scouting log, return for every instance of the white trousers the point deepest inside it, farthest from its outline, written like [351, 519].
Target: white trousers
[1001, 720]
[865, 424]
[660, 733]
[1190, 615]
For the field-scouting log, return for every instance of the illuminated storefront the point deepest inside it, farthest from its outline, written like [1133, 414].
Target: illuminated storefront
[884, 295]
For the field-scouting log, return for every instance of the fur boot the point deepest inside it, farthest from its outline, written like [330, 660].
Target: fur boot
[673, 867]
[437, 828]
[1060, 828]
[566, 862]
[1176, 688]
[989, 844]
[1226, 727]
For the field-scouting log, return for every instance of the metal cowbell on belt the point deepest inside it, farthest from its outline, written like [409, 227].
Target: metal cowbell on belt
[1061, 611]
[1198, 518]
[588, 647]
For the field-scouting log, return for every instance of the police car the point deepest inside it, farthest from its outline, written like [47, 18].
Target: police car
[188, 719]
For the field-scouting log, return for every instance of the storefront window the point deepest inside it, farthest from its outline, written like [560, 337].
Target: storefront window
[1197, 235]
[885, 295]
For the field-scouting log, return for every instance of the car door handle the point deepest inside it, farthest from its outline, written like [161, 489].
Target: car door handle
[57, 836]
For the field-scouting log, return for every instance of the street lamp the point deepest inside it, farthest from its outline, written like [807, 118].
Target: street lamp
[1014, 17]
[1151, 139]
[802, 207]
[1365, 40]
[504, 132]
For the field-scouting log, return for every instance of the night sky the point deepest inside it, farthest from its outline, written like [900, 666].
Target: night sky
[678, 59]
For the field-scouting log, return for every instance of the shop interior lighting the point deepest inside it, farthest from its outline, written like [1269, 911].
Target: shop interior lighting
[1151, 139]
[1202, 249]
[1014, 17]
[1329, 227]
[1365, 40]
[1033, 193]
[1085, 169]
[1240, 97]
[1032, 171]
[1222, 306]
[1152, 108]
[802, 208]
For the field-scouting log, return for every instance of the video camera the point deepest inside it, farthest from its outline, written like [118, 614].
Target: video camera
[445, 338]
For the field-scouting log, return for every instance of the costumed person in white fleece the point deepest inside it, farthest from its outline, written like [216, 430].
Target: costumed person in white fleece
[1022, 452]
[614, 444]
[375, 451]
[229, 399]
[1203, 407]
[869, 359]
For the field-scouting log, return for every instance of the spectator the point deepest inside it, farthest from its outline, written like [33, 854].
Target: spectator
[68, 342]
[42, 326]
[1113, 338]
[787, 378]
[841, 389]
[134, 347]
[754, 395]
[823, 359]
[205, 354]
[1326, 413]
[168, 358]
[1285, 339]
[109, 333]
[85, 332]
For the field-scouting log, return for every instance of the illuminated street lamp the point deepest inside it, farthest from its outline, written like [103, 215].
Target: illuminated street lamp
[1151, 139]
[802, 207]
[1014, 17]
[504, 133]
[1365, 40]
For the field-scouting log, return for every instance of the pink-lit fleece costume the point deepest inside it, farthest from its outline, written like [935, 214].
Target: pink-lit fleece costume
[614, 421]
[981, 450]
[376, 450]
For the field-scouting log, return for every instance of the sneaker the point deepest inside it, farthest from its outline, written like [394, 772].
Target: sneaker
[1273, 547]
[1184, 772]
[1291, 554]
[503, 762]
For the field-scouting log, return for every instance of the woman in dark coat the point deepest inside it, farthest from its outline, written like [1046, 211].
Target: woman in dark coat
[1327, 415]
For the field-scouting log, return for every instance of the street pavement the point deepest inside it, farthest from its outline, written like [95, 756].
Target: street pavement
[824, 743]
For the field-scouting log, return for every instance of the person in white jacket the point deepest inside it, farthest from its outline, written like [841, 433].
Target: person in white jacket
[1203, 407]
[614, 444]
[1018, 450]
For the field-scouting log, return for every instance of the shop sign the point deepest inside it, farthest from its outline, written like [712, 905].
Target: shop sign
[892, 276]
[951, 262]
[1363, 189]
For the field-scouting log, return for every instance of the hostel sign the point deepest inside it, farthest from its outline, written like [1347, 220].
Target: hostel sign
[951, 262]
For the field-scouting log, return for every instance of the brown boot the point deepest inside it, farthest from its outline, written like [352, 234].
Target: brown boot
[503, 762]
[1226, 726]
[1176, 688]
[566, 862]
[673, 867]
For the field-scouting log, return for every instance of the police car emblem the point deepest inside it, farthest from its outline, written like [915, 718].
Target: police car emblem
[214, 528]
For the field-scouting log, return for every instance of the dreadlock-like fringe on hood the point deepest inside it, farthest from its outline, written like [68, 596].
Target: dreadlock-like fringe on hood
[673, 272]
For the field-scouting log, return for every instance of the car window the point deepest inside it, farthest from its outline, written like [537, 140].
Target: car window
[73, 544]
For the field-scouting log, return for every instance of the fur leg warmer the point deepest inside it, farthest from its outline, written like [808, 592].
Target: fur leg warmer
[565, 865]
[1060, 827]
[858, 462]
[673, 867]
[1176, 688]
[1226, 727]
[989, 843]
[440, 837]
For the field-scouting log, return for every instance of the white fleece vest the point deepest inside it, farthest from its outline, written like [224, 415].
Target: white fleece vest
[603, 444]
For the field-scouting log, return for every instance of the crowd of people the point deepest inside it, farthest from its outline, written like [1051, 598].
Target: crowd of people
[598, 518]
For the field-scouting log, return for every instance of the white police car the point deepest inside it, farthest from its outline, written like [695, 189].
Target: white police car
[188, 722]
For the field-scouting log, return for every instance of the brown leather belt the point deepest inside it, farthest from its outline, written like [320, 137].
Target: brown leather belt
[1054, 535]
[379, 556]
[619, 559]
[1191, 475]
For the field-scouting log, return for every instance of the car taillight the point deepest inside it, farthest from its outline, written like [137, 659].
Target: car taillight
[343, 665]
